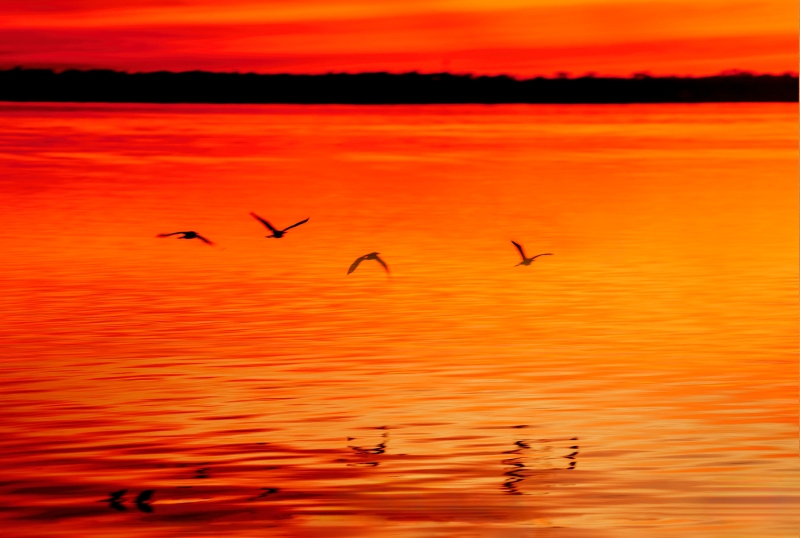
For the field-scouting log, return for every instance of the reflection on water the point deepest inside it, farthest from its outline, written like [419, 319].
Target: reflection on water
[519, 470]
[639, 381]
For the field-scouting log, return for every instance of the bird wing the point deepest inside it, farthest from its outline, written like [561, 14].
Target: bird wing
[545, 254]
[264, 222]
[167, 235]
[144, 496]
[201, 238]
[519, 247]
[380, 261]
[144, 507]
[296, 224]
[355, 264]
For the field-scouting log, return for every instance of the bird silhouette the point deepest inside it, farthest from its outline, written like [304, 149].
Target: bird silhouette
[276, 233]
[188, 235]
[266, 491]
[142, 501]
[525, 259]
[370, 256]
[116, 496]
[145, 496]
[115, 500]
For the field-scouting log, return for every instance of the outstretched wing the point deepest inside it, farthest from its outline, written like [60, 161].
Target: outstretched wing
[117, 495]
[355, 264]
[546, 254]
[167, 235]
[519, 247]
[201, 238]
[296, 224]
[144, 496]
[264, 222]
[380, 261]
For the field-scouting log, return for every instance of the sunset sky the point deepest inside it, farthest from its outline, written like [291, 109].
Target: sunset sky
[518, 37]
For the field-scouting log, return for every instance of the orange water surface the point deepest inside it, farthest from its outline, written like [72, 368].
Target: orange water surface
[641, 381]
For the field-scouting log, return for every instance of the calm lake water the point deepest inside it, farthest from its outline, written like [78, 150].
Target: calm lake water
[641, 381]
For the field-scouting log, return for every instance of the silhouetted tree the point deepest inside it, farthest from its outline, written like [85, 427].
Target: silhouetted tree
[101, 85]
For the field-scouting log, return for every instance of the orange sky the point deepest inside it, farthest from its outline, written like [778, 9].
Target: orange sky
[519, 37]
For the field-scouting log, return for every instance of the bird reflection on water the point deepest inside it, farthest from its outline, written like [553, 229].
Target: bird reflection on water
[115, 500]
[265, 493]
[519, 471]
[531, 460]
[515, 474]
[142, 501]
[379, 448]
[201, 473]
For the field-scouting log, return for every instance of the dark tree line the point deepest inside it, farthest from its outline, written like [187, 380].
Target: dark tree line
[384, 88]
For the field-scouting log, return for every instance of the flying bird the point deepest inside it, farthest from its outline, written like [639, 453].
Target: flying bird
[276, 233]
[370, 256]
[188, 235]
[525, 259]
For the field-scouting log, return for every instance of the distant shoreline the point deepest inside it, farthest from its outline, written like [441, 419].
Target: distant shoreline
[105, 86]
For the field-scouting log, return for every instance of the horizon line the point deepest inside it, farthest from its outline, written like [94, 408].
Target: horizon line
[559, 75]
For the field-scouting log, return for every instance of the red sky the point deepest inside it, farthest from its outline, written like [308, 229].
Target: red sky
[519, 37]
